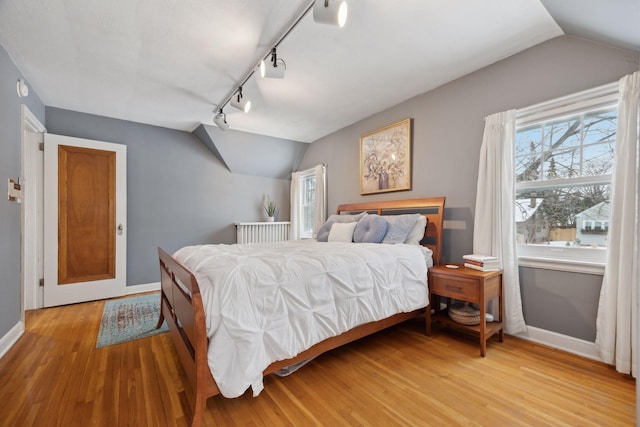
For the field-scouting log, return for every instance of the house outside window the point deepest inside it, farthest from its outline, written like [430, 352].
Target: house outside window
[563, 170]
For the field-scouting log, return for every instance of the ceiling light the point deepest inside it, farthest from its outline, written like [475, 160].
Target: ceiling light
[274, 68]
[332, 12]
[239, 102]
[220, 119]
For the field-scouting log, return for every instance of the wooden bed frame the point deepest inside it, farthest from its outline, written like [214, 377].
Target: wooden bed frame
[182, 309]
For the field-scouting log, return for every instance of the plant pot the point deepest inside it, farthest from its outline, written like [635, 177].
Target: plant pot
[270, 219]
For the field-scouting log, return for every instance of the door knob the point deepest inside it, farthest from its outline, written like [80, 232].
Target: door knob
[120, 229]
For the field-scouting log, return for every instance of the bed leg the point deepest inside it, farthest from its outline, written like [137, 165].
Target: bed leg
[161, 318]
[199, 406]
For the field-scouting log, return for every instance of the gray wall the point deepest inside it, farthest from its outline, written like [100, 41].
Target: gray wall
[249, 154]
[178, 191]
[572, 297]
[448, 123]
[10, 168]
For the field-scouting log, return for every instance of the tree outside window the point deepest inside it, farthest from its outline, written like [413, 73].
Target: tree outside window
[563, 172]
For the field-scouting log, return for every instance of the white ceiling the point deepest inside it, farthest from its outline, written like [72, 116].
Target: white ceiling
[169, 62]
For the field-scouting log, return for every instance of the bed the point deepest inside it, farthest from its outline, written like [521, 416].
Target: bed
[183, 300]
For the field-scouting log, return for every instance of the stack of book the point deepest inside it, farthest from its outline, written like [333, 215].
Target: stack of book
[482, 262]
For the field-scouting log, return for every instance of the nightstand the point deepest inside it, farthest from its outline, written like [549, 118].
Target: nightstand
[465, 284]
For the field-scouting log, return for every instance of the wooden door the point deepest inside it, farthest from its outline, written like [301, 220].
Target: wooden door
[85, 220]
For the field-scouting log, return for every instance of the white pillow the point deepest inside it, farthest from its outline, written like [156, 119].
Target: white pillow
[417, 232]
[342, 232]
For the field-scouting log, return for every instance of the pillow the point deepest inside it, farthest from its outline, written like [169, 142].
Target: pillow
[417, 232]
[323, 232]
[370, 229]
[342, 232]
[399, 227]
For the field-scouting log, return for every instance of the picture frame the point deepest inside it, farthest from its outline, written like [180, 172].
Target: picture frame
[385, 159]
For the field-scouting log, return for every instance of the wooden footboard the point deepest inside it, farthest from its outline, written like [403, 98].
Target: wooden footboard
[182, 309]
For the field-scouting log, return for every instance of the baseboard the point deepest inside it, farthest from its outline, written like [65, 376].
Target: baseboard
[7, 341]
[139, 289]
[562, 342]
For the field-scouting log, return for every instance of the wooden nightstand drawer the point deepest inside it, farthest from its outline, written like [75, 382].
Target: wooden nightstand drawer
[458, 288]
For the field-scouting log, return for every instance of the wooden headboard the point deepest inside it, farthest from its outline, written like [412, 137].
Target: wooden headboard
[432, 208]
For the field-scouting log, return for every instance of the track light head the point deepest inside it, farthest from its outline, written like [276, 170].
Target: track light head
[239, 102]
[274, 68]
[220, 119]
[333, 12]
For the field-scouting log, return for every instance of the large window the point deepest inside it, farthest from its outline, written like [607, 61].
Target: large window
[563, 167]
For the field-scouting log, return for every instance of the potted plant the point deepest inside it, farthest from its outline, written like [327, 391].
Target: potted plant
[270, 208]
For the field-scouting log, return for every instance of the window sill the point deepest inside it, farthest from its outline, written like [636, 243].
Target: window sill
[561, 258]
[574, 266]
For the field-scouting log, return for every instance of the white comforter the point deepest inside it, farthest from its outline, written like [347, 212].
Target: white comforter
[269, 301]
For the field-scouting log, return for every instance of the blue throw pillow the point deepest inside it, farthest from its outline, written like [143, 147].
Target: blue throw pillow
[399, 227]
[370, 229]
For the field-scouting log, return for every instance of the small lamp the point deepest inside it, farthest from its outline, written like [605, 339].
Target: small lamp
[239, 102]
[333, 12]
[220, 119]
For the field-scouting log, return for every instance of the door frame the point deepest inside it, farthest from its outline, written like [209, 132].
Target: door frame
[31, 295]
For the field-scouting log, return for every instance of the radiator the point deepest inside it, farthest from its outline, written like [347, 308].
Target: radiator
[256, 232]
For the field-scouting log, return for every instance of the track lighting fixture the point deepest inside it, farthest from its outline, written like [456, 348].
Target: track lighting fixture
[274, 68]
[220, 119]
[333, 12]
[239, 102]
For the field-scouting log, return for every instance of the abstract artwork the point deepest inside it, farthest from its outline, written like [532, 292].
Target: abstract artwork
[385, 159]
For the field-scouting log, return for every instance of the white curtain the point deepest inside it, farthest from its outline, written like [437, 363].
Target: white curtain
[294, 227]
[494, 230]
[616, 334]
[320, 208]
[320, 211]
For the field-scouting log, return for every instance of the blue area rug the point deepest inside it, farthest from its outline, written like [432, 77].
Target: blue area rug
[128, 319]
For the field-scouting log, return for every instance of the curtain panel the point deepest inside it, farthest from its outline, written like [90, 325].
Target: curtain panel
[617, 320]
[494, 230]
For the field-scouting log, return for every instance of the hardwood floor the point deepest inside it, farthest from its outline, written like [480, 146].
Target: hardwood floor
[54, 376]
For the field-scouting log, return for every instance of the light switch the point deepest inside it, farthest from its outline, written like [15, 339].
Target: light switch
[14, 191]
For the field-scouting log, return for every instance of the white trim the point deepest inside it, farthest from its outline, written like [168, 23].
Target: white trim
[596, 97]
[139, 289]
[562, 342]
[10, 338]
[558, 264]
[31, 293]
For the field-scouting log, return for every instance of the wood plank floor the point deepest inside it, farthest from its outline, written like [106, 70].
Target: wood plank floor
[54, 376]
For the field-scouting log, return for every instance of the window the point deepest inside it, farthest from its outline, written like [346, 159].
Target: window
[308, 201]
[563, 170]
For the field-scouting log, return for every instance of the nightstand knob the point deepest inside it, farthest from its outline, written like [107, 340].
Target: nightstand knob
[453, 288]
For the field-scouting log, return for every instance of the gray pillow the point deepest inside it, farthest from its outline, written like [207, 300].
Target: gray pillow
[370, 229]
[323, 232]
[399, 227]
[416, 234]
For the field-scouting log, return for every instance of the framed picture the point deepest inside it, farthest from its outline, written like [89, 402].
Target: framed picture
[385, 159]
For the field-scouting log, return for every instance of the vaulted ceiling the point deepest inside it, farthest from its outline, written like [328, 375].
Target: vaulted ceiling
[171, 62]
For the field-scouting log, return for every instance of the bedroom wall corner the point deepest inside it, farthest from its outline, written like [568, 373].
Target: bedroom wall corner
[10, 165]
[448, 124]
[178, 192]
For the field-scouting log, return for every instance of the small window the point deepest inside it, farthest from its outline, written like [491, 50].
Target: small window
[307, 204]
